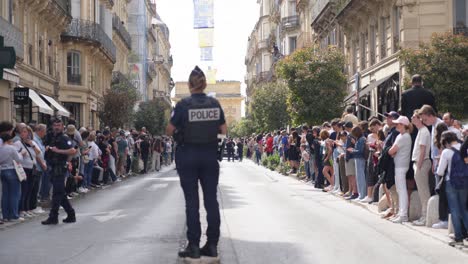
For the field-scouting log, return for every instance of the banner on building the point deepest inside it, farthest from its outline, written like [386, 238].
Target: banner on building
[203, 14]
[206, 54]
[211, 76]
[205, 37]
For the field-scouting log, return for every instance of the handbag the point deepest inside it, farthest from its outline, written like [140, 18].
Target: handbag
[19, 171]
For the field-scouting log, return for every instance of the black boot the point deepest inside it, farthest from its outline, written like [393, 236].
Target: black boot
[71, 218]
[209, 250]
[50, 221]
[192, 251]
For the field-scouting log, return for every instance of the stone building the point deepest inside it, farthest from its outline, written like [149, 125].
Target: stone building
[34, 29]
[375, 31]
[228, 94]
[163, 84]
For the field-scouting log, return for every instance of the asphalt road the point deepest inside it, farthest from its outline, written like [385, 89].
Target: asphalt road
[266, 219]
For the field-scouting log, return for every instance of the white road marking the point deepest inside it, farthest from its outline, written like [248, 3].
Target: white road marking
[115, 214]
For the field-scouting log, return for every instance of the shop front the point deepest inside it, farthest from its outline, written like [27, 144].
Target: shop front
[29, 107]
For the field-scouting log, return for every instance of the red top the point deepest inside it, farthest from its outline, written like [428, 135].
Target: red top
[269, 145]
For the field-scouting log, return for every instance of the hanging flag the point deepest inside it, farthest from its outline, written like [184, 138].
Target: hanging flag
[203, 14]
[206, 54]
[205, 37]
[211, 76]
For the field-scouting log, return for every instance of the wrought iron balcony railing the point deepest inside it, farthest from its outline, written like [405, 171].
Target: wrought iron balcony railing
[462, 30]
[86, 30]
[74, 79]
[65, 5]
[120, 78]
[290, 22]
[159, 59]
[118, 26]
[12, 37]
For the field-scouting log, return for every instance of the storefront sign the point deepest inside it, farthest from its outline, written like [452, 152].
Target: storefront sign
[21, 96]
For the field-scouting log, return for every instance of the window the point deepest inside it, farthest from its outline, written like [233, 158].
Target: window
[74, 67]
[460, 17]
[41, 54]
[355, 49]
[396, 28]
[50, 66]
[292, 44]
[10, 11]
[292, 7]
[383, 37]
[31, 54]
[363, 50]
[372, 45]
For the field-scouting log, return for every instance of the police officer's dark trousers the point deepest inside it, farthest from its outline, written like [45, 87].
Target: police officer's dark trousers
[194, 164]
[59, 197]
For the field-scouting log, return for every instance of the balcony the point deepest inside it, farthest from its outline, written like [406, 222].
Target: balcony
[462, 30]
[88, 31]
[264, 44]
[159, 59]
[118, 26]
[290, 22]
[74, 79]
[152, 34]
[64, 5]
[319, 7]
[262, 77]
[12, 37]
[120, 78]
[151, 70]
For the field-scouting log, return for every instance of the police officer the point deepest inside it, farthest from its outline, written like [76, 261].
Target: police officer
[196, 122]
[58, 151]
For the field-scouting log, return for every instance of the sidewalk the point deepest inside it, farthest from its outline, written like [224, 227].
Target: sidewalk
[438, 234]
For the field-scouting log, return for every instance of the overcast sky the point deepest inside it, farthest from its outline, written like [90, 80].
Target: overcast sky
[234, 21]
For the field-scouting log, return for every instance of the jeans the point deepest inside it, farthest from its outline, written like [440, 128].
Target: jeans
[457, 200]
[361, 177]
[45, 186]
[88, 173]
[307, 169]
[11, 193]
[258, 156]
[400, 182]
[199, 164]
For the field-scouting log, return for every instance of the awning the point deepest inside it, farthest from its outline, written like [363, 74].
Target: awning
[37, 100]
[372, 85]
[60, 109]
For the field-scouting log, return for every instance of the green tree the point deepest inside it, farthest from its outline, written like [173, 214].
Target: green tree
[269, 106]
[119, 104]
[316, 82]
[151, 115]
[443, 63]
[245, 127]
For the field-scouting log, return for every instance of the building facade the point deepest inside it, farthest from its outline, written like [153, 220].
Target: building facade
[369, 33]
[228, 94]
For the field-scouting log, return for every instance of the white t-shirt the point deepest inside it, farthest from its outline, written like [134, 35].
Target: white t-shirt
[26, 162]
[445, 161]
[94, 152]
[351, 118]
[423, 138]
[456, 131]
[371, 139]
[402, 157]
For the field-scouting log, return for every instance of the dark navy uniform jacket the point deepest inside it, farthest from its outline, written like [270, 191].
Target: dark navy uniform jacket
[198, 118]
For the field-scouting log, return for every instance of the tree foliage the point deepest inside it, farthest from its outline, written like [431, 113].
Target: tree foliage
[118, 105]
[269, 106]
[443, 63]
[245, 127]
[151, 115]
[316, 82]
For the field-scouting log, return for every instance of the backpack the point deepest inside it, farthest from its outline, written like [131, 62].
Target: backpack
[458, 171]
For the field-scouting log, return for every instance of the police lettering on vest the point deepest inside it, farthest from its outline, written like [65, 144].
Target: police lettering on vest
[203, 120]
[199, 115]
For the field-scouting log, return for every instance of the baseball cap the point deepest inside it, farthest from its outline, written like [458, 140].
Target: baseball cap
[392, 114]
[402, 120]
[71, 129]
